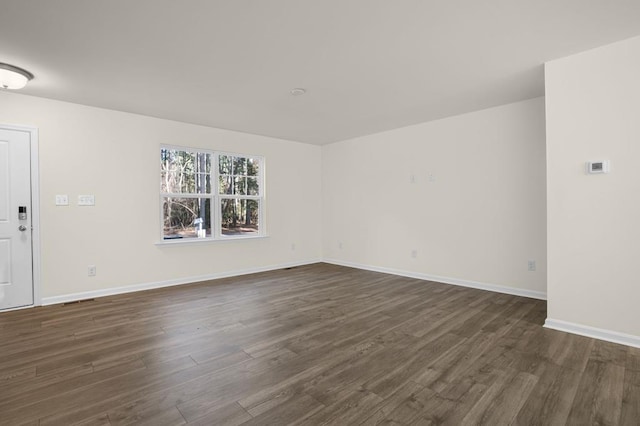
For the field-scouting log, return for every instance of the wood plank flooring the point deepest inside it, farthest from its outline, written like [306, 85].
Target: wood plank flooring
[319, 344]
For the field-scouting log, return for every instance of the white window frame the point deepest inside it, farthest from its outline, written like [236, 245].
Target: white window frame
[216, 198]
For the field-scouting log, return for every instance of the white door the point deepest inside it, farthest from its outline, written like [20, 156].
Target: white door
[16, 266]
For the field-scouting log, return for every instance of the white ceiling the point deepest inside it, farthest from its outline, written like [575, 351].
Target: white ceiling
[367, 65]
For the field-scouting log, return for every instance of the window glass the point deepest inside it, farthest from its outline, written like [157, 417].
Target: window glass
[186, 217]
[239, 216]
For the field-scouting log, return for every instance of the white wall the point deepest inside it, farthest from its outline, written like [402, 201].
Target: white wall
[114, 155]
[593, 112]
[478, 219]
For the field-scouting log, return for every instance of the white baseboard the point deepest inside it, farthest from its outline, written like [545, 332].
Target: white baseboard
[189, 280]
[593, 332]
[446, 280]
[168, 283]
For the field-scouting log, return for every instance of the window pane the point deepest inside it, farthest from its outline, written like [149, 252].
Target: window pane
[240, 187]
[202, 184]
[239, 217]
[164, 181]
[239, 166]
[252, 186]
[225, 165]
[203, 163]
[186, 217]
[253, 166]
[225, 184]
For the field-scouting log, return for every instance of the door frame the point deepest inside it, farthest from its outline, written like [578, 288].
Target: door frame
[36, 261]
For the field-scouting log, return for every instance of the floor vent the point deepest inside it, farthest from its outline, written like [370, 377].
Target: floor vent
[75, 302]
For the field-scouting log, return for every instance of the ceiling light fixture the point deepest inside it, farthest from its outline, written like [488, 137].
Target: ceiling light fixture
[298, 91]
[13, 78]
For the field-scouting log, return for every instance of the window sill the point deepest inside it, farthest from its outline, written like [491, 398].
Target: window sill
[196, 241]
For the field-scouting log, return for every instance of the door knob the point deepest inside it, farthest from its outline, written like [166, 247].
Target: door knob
[22, 228]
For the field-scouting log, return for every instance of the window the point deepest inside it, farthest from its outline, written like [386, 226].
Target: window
[193, 207]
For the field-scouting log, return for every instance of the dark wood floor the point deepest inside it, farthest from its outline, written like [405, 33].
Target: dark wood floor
[319, 344]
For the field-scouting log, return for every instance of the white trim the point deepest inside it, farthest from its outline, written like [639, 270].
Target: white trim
[446, 280]
[223, 239]
[35, 218]
[593, 332]
[36, 260]
[53, 300]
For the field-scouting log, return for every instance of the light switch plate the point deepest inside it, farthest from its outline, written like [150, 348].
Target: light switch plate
[62, 200]
[86, 200]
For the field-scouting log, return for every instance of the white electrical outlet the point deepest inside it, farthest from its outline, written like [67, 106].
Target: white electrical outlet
[339, 244]
[293, 246]
[531, 265]
[62, 200]
[414, 253]
[91, 270]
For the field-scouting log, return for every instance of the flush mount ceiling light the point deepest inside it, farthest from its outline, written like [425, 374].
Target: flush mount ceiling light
[13, 78]
[298, 91]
